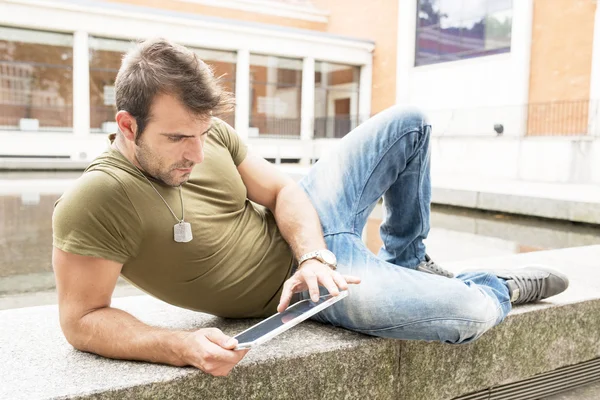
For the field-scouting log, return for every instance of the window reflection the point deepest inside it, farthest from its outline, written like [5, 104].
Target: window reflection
[458, 29]
[105, 61]
[336, 99]
[36, 80]
[275, 96]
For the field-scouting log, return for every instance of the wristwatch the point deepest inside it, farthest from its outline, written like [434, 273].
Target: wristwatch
[325, 256]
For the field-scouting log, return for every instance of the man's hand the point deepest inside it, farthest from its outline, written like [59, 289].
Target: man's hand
[309, 276]
[211, 351]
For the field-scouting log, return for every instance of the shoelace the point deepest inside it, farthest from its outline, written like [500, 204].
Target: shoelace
[429, 263]
[531, 287]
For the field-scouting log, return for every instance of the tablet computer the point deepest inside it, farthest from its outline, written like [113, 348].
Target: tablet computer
[281, 322]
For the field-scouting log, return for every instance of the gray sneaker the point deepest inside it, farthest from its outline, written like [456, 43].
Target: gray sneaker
[532, 283]
[431, 267]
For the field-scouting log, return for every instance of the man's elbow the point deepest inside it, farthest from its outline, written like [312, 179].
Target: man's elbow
[74, 330]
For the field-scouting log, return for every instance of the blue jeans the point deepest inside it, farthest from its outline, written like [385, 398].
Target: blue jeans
[388, 156]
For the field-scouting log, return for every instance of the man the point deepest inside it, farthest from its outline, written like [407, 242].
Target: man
[180, 208]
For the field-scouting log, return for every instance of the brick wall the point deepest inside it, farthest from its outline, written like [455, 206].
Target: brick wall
[375, 20]
[181, 6]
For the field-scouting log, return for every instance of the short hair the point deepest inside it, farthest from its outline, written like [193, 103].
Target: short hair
[158, 66]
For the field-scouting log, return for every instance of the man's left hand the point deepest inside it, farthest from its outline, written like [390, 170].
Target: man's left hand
[309, 276]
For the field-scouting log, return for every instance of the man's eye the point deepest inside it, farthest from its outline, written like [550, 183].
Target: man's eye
[175, 139]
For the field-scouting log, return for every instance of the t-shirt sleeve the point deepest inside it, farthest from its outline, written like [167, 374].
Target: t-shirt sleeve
[237, 148]
[95, 218]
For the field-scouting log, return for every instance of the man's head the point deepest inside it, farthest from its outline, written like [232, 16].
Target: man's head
[165, 98]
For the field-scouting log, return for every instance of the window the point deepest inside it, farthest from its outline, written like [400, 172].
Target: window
[450, 30]
[336, 99]
[36, 80]
[275, 96]
[105, 61]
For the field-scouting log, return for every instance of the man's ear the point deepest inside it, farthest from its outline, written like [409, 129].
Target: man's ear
[127, 124]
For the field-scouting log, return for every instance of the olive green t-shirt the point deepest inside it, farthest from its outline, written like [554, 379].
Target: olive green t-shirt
[237, 262]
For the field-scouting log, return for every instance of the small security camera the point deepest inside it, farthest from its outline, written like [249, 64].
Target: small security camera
[499, 128]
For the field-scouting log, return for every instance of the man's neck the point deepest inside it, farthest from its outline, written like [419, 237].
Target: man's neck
[126, 149]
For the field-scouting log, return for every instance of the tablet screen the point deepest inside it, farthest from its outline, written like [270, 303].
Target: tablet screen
[279, 320]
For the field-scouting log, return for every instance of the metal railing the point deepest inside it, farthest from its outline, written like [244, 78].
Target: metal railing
[21, 117]
[335, 127]
[561, 118]
[564, 118]
[277, 128]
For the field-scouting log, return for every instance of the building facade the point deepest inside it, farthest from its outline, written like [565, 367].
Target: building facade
[503, 82]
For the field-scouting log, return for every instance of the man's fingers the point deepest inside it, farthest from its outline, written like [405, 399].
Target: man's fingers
[286, 294]
[286, 297]
[327, 281]
[340, 281]
[217, 337]
[313, 284]
[352, 279]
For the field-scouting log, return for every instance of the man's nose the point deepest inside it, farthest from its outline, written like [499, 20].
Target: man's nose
[195, 151]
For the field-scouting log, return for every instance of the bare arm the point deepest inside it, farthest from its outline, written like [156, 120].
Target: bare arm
[298, 223]
[296, 217]
[85, 286]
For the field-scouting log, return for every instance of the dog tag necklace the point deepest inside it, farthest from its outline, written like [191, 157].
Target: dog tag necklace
[182, 231]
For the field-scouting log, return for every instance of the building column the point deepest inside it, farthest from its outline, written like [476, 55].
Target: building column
[307, 110]
[242, 93]
[365, 84]
[405, 51]
[81, 84]
[594, 106]
[520, 51]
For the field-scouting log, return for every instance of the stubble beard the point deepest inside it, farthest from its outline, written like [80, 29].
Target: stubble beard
[153, 165]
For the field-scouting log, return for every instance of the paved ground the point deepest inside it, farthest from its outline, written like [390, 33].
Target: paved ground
[49, 297]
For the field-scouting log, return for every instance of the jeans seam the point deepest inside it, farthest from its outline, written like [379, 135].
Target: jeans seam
[430, 320]
[375, 165]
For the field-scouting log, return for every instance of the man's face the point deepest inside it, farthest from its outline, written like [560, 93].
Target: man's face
[172, 142]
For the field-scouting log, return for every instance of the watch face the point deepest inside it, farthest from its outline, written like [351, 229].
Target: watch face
[328, 257]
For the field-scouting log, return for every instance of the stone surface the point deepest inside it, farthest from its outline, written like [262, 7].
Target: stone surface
[570, 202]
[313, 360]
[38, 363]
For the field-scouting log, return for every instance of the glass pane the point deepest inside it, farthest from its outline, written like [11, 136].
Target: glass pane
[473, 9]
[499, 5]
[336, 99]
[449, 40]
[467, 29]
[275, 96]
[428, 45]
[105, 61]
[222, 62]
[498, 27]
[450, 13]
[36, 80]
[428, 13]
[473, 35]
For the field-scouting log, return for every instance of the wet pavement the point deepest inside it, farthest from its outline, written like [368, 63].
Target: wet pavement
[27, 199]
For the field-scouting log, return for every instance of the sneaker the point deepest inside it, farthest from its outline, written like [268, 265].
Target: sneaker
[532, 283]
[431, 267]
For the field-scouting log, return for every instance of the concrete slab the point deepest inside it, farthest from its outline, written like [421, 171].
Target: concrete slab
[316, 361]
[570, 202]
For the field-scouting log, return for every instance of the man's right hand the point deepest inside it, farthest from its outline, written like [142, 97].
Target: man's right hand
[211, 351]
[85, 285]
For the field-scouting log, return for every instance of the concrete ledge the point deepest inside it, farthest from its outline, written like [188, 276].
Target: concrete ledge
[568, 202]
[577, 203]
[316, 361]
